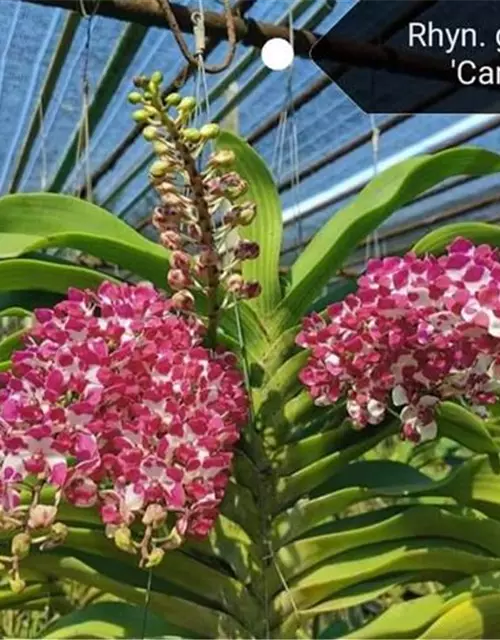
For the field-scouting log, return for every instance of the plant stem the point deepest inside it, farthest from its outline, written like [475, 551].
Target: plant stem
[205, 220]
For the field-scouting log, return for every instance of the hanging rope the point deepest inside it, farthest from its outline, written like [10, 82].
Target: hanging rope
[373, 246]
[83, 146]
[287, 130]
[147, 599]
[193, 59]
[43, 149]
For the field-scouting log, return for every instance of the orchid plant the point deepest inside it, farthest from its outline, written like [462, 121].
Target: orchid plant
[200, 445]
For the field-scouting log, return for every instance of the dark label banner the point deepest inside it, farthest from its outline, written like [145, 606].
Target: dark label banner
[405, 56]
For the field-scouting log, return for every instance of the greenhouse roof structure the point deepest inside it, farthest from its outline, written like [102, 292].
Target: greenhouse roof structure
[59, 69]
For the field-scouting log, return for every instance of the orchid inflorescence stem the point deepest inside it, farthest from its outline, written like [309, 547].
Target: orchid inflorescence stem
[199, 208]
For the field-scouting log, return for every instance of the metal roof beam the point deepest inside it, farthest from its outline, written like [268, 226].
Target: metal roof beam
[149, 14]
[253, 82]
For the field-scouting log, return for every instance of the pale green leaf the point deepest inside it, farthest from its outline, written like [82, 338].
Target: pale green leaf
[267, 226]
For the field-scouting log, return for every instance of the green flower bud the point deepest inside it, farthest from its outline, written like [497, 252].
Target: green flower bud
[222, 158]
[191, 135]
[187, 104]
[140, 116]
[58, 532]
[17, 584]
[151, 111]
[210, 131]
[247, 214]
[173, 100]
[159, 168]
[173, 541]
[155, 557]
[149, 133]
[157, 77]
[160, 147]
[20, 545]
[123, 539]
[147, 96]
[134, 97]
[152, 88]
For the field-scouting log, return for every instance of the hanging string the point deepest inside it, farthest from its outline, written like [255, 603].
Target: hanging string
[147, 599]
[83, 145]
[287, 130]
[193, 60]
[43, 149]
[373, 246]
[201, 88]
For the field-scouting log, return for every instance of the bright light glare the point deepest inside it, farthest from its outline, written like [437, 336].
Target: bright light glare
[277, 54]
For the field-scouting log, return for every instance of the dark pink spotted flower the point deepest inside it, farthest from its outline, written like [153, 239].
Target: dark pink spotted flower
[417, 331]
[115, 402]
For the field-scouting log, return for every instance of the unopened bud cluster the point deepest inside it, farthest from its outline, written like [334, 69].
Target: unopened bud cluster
[192, 199]
[35, 526]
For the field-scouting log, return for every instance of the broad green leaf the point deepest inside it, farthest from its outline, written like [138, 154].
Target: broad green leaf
[267, 226]
[305, 480]
[478, 232]
[11, 600]
[431, 557]
[111, 620]
[15, 312]
[478, 617]
[10, 344]
[359, 481]
[367, 591]
[388, 192]
[192, 618]
[283, 384]
[336, 293]
[475, 481]
[412, 619]
[26, 275]
[280, 349]
[31, 222]
[416, 522]
[212, 586]
[463, 426]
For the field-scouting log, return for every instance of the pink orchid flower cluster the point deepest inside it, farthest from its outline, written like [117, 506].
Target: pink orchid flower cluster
[417, 331]
[115, 403]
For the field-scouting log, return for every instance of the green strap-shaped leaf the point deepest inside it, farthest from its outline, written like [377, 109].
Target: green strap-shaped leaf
[26, 275]
[412, 619]
[478, 232]
[477, 617]
[416, 522]
[359, 481]
[30, 222]
[391, 190]
[110, 620]
[193, 619]
[266, 229]
[302, 482]
[463, 426]
[15, 312]
[367, 591]
[33, 222]
[10, 344]
[429, 556]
